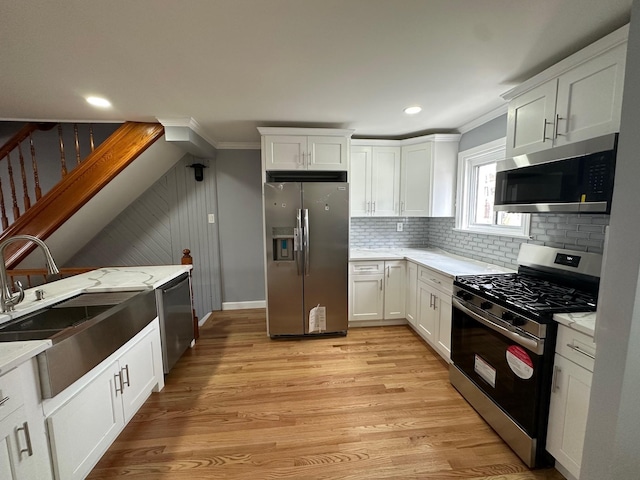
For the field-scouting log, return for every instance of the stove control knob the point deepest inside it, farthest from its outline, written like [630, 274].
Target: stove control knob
[508, 316]
[486, 305]
[464, 295]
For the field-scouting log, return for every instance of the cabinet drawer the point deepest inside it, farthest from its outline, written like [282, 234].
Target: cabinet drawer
[366, 268]
[10, 392]
[576, 346]
[436, 280]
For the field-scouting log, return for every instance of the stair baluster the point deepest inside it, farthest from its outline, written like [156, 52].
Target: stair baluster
[3, 210]
[27, 200]
[91, 136]
[77, 142]
[14, 197]
[63, 162]
[34, 164]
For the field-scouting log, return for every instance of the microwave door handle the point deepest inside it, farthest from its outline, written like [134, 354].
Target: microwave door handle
[533, 345]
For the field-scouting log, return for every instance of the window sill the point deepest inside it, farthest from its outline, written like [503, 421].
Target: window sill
[493, 232]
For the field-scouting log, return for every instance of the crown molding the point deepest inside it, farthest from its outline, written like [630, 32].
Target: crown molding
[238, 146]
[481, 120]
[608, 42]
[190, 123]
[305, 131]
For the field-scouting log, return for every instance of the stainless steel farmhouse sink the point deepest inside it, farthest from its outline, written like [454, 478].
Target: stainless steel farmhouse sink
[84, 330]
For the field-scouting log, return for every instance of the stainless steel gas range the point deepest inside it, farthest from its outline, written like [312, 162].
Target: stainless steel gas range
[503, 340]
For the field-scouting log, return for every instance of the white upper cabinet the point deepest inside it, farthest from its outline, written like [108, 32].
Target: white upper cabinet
[576, 99]
[385, 182]
[360, 181]
[305, 148]
[407, 178]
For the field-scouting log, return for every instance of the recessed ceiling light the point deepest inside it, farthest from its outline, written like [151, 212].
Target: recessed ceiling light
[99, 102]
[412, 110]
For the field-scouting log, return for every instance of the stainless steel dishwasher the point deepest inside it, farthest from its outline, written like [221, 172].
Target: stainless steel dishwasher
[176, 319]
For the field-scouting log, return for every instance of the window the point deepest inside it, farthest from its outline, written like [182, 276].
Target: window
[476, 186]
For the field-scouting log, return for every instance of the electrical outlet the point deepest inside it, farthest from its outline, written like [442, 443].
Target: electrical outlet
[399, 227]
[212, 218]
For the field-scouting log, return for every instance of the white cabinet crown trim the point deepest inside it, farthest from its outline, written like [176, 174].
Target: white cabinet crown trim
[437, 137]
[599, 47]
[333, 132]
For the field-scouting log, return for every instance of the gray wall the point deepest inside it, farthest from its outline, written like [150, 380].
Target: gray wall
[240, 217]
[613, 428]
[167, 218]
[492, 130]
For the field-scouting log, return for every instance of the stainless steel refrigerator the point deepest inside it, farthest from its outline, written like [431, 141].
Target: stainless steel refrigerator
[307, 248]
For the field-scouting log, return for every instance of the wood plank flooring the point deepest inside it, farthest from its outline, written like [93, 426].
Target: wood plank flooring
[376, 404]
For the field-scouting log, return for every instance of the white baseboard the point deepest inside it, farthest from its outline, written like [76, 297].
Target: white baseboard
[202, 321]
[243, 305]
[377, 323]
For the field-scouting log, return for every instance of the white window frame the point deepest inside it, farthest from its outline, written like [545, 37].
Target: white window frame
[467, 160]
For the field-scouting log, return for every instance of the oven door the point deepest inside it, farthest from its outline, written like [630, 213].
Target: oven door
[508, 367]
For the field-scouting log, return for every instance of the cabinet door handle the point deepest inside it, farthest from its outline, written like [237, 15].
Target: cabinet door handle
[373, 210]
[380, 282]
[27, 436]
[368, 207]
[556, 127]
[388, 268]
[436, 281]
[125, 369]
[554, 384]
[544, 130]
[118, 379]
[4, 400]
[579, 350]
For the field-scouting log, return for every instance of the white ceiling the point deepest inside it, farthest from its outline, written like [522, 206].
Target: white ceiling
[232, 65]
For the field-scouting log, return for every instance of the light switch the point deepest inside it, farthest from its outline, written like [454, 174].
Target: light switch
[212, 218]
[399, 227]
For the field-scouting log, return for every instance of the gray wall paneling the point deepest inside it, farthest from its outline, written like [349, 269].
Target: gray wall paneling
[191, 202]
[169, 217]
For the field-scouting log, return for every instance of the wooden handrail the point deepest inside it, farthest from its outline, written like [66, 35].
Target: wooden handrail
[23, 134]
[80, 185]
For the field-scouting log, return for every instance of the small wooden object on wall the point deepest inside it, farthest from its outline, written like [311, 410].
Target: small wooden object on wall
[187, 259]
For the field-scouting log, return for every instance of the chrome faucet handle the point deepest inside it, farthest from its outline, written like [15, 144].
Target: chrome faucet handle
[14, 300]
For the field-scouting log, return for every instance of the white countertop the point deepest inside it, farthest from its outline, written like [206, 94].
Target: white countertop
[584, 322]
[434, 258]
[452, 265]
[111, 279]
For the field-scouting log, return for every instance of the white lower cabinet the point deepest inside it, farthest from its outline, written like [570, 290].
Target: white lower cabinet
[24, 453]
[411, 306]
[434, 310]
[569, 406]
[85, 425]
[394, 289]
[376, 291]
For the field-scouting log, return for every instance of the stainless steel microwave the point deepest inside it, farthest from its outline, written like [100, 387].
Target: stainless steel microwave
[574, 178]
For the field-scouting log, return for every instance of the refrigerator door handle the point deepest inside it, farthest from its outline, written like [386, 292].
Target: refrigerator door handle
[305, 242]
[297, 232]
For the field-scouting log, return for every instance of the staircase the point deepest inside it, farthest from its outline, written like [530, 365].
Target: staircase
[41, 214]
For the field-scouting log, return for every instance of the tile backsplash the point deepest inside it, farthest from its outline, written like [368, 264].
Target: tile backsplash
[380, 232]
[572, 231]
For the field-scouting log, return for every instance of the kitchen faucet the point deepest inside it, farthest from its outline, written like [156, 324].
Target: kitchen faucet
[7, 299]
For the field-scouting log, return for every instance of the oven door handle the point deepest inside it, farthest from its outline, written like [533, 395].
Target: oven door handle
[536, 346]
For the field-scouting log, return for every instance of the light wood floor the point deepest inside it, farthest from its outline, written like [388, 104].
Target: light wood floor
[376, 404]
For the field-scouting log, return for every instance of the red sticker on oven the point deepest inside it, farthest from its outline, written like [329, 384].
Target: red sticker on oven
[520, 362]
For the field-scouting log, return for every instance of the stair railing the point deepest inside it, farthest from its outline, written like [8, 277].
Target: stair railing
[29, 178]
